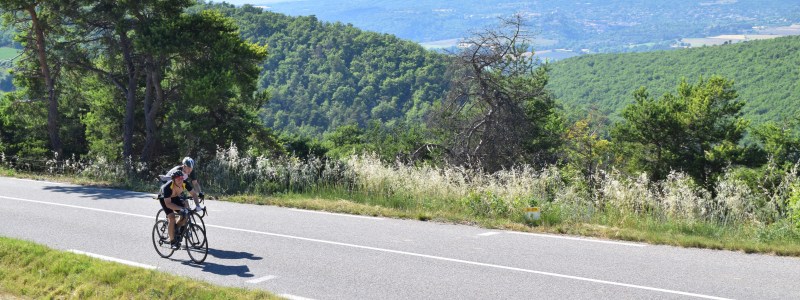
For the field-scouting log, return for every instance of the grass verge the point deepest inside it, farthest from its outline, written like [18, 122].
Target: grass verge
[775, 239]
[29, 270]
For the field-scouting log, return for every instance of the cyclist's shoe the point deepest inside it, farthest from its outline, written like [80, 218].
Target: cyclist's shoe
[175, 244]
[199, 208]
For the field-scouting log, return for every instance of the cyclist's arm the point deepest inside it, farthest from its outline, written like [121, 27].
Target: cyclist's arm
[195, 192]
[172, 206]
[196, 185]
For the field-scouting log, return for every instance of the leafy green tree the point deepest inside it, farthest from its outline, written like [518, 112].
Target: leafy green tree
[781, 141]
[110, 39]
[696, 131]
[210, 92]
[345, 140]
[187, 81]
[586, 149]
[35, 21]
[22, 127]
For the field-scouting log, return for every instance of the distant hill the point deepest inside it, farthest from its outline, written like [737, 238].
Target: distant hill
[766, 75]
[324, 75]
[598, 26]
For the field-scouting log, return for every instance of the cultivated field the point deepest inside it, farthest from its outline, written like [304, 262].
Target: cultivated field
[761, 34]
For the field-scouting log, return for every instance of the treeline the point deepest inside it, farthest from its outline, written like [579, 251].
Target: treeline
[131, 83]
[140, 81]
[322, 76]
[764, 71]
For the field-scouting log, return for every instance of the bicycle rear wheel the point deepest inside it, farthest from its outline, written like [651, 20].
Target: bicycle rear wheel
[161, 239]
[196, 243]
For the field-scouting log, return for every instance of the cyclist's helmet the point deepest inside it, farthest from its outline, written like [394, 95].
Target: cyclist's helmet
[189, 162]
[177, 173]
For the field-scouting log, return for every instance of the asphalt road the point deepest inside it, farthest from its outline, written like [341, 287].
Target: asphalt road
[314, 255]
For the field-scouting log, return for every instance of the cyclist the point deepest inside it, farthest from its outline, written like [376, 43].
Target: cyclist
[190, 179]
[170, 198]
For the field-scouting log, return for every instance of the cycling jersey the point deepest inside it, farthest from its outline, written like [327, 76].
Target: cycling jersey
[166, 192]
[187, 179]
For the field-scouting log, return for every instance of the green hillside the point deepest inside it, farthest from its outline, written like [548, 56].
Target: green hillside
[325, 75]
[765, 73]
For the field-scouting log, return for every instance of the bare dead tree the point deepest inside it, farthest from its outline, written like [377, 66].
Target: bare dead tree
[496, 111]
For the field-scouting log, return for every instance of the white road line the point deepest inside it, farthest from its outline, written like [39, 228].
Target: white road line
[553, 236]
[293, 297]
[414, 254]
[489, 233]
[473, 263]
[262, 279]
[335, 214]
[108, 258]
[80, 207]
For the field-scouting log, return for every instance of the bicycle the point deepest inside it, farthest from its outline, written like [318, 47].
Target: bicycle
[193, 236]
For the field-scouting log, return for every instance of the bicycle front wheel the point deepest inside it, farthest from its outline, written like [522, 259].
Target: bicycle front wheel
[161, 239]
[196, 243]
[160, 215]
[202, 213]
[199, 220]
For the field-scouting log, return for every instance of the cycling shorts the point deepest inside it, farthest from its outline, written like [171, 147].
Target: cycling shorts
[175, 200]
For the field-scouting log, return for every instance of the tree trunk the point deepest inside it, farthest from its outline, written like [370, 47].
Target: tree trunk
[130, 94]
[152, 104]
[52, 99]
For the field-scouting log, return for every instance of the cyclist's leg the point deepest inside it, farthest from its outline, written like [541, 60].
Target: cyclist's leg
[171, 226]
[170, 218]
[180, 202]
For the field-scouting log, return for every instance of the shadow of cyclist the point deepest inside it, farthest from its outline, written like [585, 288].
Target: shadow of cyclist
[241, 271]
[96, 193]
[225, 254]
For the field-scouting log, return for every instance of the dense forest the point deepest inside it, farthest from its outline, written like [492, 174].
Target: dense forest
[325, 75]
[203, 76]
[765, 74]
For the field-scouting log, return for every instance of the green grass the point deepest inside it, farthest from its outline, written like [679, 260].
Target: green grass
[776, 239]
[29, 270]
[8, 53]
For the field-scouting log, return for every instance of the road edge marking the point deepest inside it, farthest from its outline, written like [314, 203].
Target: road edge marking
[293, 297]
[474, 263]
[553, 236]
[262, 279]
[335, 214]
[114, 259]
[80, 207]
